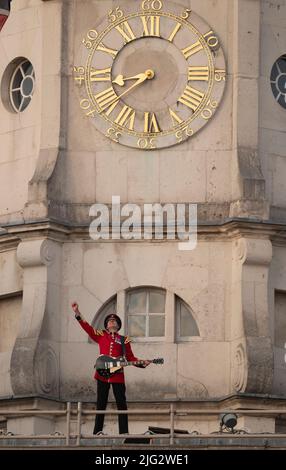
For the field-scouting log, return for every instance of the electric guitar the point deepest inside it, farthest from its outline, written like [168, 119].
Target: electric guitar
[107, 366]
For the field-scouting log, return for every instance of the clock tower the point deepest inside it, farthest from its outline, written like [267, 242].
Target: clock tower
[111, 108]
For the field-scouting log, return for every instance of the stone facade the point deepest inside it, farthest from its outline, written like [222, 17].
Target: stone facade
[54, 165]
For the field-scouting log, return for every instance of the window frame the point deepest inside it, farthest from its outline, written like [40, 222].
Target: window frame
[145, 339]
[178, 337]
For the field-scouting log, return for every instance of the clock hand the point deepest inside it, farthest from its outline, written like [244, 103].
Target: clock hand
[120, 80]
[142, 78]
[148, 75]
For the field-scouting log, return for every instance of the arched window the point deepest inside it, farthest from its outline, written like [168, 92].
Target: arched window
[109, 307]
[186, 326]
[146, 312]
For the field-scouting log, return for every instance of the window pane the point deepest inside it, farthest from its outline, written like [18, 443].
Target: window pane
[17, 98]
[136, 325]
[157, 302]
[137, 302]
[188, 325]
[27, 68]
[156, 325]
[25, 104]
[17, 80]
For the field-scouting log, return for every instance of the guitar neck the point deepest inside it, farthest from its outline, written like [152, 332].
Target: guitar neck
[134, 363]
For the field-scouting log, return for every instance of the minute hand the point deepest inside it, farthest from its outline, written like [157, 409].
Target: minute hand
[141, 78]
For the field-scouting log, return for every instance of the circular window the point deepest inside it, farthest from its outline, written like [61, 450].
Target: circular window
[278, 80]
[22, 85]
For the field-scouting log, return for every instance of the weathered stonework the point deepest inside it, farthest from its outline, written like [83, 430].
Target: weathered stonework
[54, 165]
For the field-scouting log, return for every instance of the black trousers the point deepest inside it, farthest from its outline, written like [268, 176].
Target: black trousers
[102, 398]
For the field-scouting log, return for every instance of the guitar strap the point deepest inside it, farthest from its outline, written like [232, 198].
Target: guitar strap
[122, 339]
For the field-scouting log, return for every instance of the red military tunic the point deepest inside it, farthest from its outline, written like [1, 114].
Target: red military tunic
[110, 345]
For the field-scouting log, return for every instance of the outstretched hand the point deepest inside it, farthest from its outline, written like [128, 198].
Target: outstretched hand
[146, 363]
[75, 308]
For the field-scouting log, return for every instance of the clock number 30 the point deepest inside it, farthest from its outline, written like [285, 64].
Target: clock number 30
[147, 143]
[155, 5]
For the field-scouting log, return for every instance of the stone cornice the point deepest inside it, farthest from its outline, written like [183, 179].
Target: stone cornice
[11, 234]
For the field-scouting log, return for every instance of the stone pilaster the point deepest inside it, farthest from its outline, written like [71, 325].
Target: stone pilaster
[35, 357]
[248, 189]
[252, 352]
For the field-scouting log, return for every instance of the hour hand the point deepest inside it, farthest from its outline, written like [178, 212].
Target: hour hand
[120, 80]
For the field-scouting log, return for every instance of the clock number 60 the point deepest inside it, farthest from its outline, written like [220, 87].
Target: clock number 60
[155, 5]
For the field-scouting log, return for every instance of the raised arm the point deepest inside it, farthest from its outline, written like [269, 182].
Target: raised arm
[92, 333]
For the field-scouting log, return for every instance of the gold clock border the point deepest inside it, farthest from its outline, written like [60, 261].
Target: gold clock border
[184, 124]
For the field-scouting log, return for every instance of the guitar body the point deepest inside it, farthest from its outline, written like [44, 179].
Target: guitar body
[107, 366]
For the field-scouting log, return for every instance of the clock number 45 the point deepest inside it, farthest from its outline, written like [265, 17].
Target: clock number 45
[79, 74]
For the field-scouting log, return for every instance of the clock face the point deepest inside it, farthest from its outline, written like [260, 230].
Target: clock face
[278, 80]
[151, 75]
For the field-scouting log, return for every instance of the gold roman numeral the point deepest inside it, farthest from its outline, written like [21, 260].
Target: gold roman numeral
[198, 73]
[191, 50]
[151, 25]
[150, 123]
[103, 75]
[101, 47]
[174, 32]
[126, 32]
[126, 117]
[191, 98]
[107, 100]
[175, 118]
[212, 42]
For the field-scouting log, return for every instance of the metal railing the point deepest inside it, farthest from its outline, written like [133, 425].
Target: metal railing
[79, 412]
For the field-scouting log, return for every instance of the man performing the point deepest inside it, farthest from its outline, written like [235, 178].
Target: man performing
[110, 343]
